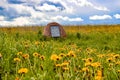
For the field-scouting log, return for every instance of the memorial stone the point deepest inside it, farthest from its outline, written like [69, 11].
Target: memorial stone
[54, 30]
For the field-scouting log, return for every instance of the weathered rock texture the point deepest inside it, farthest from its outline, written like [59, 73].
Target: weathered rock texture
[47, 30]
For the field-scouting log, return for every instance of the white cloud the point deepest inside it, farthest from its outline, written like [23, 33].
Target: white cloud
[21, 21]
[117, 16]
[86, 3]
[2, 18]
[3, 3]
[98, 17]
[47, 7]
[21, 9]
[43, 11]
[69, 8]
[66, 18]
[17, 21]
[101, 8]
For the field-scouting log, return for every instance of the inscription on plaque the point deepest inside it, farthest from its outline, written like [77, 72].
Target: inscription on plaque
[55, 32]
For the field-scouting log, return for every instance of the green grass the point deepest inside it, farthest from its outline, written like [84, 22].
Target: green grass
[83, 45]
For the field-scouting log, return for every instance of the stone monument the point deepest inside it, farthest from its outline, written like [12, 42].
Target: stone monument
[54, 29]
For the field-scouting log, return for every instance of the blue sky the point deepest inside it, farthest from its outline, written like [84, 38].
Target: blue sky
[66, 12]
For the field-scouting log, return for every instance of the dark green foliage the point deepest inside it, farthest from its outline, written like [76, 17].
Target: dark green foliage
[78, 35]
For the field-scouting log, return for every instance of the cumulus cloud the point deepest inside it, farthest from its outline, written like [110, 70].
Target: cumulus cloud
[86, 3]
[47, 7]
[17, 21]
[2, 18]
[66, 18]
[28, 12]
[117, 16]
[100, 17]
[21, 21]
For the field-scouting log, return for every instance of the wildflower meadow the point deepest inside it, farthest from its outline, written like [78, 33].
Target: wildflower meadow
[87, 53]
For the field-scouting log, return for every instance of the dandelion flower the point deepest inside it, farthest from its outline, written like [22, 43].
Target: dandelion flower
[111, 64]
[25, 56]
[17, 59]
[65, 69]
[101, 55]
[71, 53]
[88, 64]
[0, 55]
[22, 70]
[110, 59]
[89, 59]
[85, 69]
[89, 50]
[26, 46]
[42, 57]
[62, 55]
[98, 78]
[54, 57]
[99, 73]
[58, 65]
[37, 42]
[19, 53]
[117, 63]
[16, 78]
[65, 63]
[35, 54]
[95, 64]
[116, 56]
[118, 71]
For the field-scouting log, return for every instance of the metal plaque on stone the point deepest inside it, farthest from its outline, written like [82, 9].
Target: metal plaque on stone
[55, 31]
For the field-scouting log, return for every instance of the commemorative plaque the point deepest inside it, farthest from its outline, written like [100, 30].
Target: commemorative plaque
[55, 32]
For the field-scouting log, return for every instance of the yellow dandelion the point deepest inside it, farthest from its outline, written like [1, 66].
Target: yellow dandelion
[98, 78]
[65, 69]
[89, 50]
[62, 55]
[85, 60]
[57, 65]
[71, 53]
[25, 56]
[117, 63]
[101, 55]
[95, 64]
[17, 78]
[87, 64]
[17, 59]
[110, 59]
[110, 64]
[19, 53]
[79, 50]
[55, 57]
[116, 56]
[110, 54]
[65, 63]
[99, 73]
[0, 55]
[90, 59]
[118, 71]
[22, 70]
[35, 54]
[37, 42]
[42, 57]
[85, 69]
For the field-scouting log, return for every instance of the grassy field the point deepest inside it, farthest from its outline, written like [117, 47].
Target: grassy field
[87, 53]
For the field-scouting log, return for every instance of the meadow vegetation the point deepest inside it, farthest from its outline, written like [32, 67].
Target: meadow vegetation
[89, 52]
